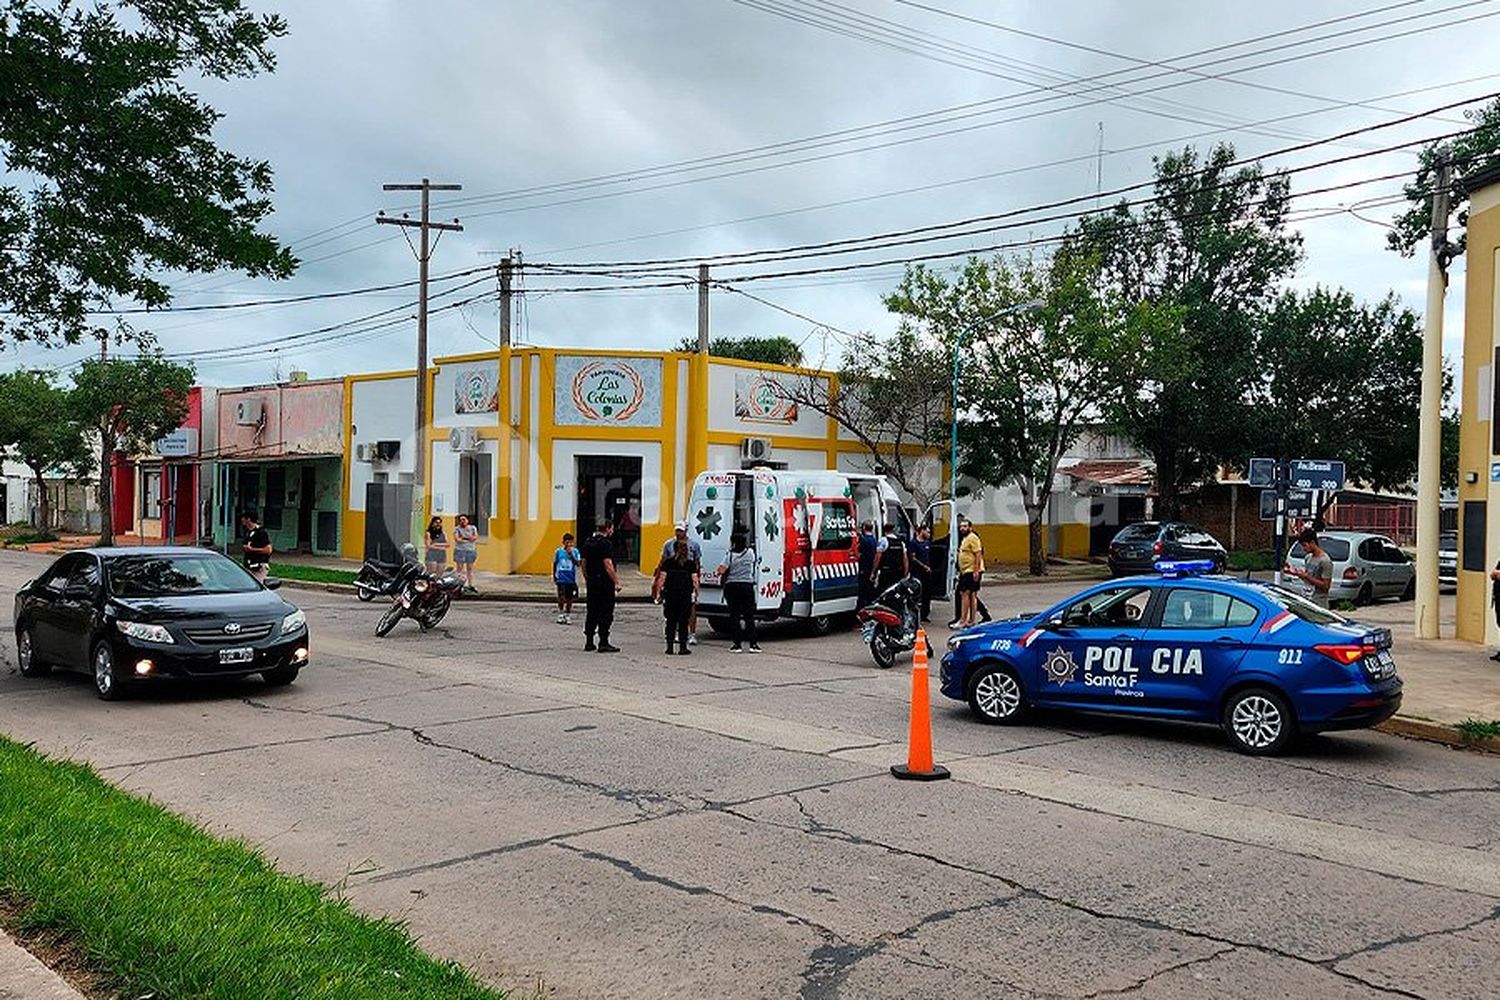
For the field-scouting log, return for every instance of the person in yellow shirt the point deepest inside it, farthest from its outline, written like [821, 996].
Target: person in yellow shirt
[970, 571]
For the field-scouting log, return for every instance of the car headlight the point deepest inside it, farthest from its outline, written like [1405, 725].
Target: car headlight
[145, 632]
[292, 622]
[954, 641]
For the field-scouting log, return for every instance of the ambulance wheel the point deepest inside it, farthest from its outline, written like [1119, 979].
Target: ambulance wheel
[719, 626]
[995, 695]
[1258, 722]
[821, 625]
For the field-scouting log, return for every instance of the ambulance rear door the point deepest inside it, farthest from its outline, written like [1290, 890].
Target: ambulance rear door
[769, 538]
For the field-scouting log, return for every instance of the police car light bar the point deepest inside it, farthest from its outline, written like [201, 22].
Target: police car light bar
[1183, 567]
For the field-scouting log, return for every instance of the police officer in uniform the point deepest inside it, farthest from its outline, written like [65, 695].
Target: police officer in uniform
[603, 584]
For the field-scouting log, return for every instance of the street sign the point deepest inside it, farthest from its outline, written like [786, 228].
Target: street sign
[1299, 503]
[1316, 474]
[1262, 472]
[181, 443]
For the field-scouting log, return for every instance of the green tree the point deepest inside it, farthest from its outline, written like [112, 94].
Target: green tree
[1211, 247]
[129, 403]
[1030, 377]
[37, 430]
[1340, 380]
[1451, 427]
[1470, 153]
[761, 350]
[112, 174]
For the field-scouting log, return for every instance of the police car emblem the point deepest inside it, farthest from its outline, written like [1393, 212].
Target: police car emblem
[1060, 667]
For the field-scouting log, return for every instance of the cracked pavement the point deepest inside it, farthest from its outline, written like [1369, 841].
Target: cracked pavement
[645, 826]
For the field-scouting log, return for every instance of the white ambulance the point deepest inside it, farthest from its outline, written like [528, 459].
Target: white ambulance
[804, 527]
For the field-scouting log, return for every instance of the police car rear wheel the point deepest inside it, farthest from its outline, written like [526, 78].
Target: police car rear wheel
[1258, 721]
[995, 695]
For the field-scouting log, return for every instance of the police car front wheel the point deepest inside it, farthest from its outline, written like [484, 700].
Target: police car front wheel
[1258, 721]
[995, 695]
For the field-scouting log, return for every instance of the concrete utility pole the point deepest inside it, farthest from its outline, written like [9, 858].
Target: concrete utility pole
[702, 308]
[507, 271]
[424, 255]
[1429, 443]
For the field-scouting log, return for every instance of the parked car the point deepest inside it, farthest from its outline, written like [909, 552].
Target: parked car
[1448, 560]
[131, 615]
[1138, 547]
[1366, 567]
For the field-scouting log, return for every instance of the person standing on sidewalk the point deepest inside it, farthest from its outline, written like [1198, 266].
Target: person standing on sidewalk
[257, 547]
[1317, 567]
[436, 542]
[921, 567]
[603, 584]
[695, 552]
[565, 577]
[465, 549]
[869, 552]
[676, 585]
[737, 573]
[970, 573]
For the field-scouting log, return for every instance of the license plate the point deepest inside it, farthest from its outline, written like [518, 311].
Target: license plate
[244, 654]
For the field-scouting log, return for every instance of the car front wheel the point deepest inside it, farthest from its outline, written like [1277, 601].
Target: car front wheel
[995, 695]
[26, 659]
[106, 673]
[279, 677]
[1258, 722]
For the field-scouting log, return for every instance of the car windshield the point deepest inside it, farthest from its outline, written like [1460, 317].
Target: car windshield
[170, 574]
[1139, 532]
[1448, 541]
[1301, 606]
[1337, 549]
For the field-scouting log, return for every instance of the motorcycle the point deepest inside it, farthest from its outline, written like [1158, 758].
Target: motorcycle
[889, 624]
[420, 596]
[375, 579]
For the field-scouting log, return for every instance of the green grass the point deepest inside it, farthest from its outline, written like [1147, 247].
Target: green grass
[166, 910]
[311, 574]
[25, 536]
[1479, 729]
[1241, 560]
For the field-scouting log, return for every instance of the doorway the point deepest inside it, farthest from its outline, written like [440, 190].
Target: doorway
[609, 489]
[476, 480]
[306, 494]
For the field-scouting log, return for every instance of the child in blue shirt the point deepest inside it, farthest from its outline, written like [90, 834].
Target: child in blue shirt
[565, 574]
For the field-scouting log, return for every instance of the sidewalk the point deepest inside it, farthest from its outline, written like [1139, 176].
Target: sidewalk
[24, 977]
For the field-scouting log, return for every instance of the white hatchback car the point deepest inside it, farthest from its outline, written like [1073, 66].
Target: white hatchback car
[1366, 567]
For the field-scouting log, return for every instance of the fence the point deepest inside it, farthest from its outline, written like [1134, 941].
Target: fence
[1398, 522]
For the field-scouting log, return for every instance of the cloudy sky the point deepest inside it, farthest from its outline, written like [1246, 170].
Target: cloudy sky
[777, 123]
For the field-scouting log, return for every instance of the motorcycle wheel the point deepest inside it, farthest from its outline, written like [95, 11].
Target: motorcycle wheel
[388, 620]
[882, 651]
[430, 618]
[364, 594]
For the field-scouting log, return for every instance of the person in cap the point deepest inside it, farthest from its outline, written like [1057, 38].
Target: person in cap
[695, 554]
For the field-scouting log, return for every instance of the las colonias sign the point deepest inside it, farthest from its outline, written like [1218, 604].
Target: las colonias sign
[590, 391]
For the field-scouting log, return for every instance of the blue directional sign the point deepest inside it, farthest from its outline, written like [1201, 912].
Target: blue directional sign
[1316, 474]
[1262, 472]
[1299, 503]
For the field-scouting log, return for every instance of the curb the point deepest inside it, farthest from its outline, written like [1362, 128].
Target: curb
[489, 596]
[1437, 732]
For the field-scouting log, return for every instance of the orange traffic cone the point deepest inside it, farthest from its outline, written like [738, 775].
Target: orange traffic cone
[919, 765]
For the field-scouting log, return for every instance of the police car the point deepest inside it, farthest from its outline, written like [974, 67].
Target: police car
[1263, 663]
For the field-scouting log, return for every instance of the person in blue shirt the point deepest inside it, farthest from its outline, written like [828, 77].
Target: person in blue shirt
[565, 574]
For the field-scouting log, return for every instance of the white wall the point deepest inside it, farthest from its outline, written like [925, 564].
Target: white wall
[564, 487]
[444, 401]
[381, 410]
[443, 476]
[723, 393]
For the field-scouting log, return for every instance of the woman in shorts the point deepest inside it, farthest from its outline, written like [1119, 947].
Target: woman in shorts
[465, 549]
[436, 541]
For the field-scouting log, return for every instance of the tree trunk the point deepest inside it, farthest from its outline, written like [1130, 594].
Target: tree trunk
[1038, 560]
[43, 504]
[106, 489]
[1170, 507]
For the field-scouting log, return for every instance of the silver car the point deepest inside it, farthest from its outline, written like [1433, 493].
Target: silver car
[1448, 561]
[1366, 567]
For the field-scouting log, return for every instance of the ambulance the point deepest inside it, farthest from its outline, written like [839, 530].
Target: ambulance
[804, 527]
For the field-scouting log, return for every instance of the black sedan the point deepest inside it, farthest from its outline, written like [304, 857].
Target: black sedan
[131, 615]
[1138, 547]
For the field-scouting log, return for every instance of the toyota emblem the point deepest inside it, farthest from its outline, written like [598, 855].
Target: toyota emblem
[233, 628]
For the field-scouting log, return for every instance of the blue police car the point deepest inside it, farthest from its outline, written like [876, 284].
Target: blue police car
[1262, 662]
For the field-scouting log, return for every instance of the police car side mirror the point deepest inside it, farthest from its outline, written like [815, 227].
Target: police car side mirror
[1054, 624]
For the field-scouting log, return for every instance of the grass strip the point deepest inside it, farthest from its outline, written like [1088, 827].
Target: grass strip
[311, 574]
[166, 910]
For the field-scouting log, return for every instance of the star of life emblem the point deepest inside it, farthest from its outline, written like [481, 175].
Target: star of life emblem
[1060, 667]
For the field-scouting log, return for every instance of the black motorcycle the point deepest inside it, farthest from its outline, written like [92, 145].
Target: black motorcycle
[375, 579]
[420, 596]
[889, 624]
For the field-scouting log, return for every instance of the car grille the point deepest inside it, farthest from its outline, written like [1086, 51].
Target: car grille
[214, 635]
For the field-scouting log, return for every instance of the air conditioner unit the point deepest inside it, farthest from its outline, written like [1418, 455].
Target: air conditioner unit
[248, 412]
[387, 451]
[364, 452]
[755, 449]
[463, 439]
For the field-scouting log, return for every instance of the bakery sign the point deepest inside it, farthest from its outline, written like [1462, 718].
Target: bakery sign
[604, 390]
[760, 398]
[476, 390]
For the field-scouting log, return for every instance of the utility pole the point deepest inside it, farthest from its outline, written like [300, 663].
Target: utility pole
[1430, 439]
[702, 308]
[507, 270]
[424, 255]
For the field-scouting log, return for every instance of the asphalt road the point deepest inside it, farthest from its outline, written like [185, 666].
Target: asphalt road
[724, 826]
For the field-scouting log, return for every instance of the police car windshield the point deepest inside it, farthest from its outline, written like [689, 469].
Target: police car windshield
[1301, 606]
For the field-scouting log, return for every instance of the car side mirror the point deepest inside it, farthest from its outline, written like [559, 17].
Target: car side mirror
[271, 583]
[1053, 624]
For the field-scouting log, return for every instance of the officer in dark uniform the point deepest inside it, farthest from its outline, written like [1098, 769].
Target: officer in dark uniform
[603, 584]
